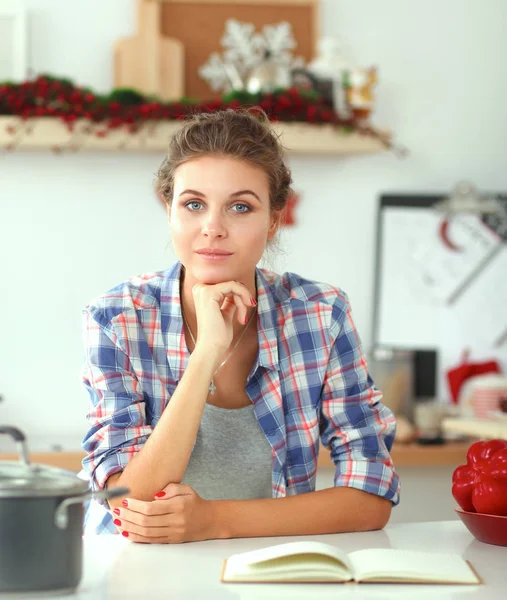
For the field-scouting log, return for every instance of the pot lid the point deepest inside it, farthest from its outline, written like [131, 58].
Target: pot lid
[34, 480]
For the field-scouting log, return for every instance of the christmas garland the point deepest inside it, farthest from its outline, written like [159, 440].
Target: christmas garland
[47, 96]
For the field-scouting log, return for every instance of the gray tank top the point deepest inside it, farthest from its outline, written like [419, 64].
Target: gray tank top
[231, 459]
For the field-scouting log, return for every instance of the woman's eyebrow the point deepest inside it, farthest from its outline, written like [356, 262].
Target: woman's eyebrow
[193, 192]
[242, 192]
[233, 195]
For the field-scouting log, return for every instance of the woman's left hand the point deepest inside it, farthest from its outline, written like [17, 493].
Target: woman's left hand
[177, 514]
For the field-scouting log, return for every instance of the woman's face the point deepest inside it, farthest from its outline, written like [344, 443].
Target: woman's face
[220, 204]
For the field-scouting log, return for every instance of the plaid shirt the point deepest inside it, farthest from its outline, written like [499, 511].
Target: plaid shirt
[310, 381]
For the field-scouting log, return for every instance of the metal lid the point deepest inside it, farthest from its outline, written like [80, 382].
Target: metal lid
[19, 480]
[24, 479]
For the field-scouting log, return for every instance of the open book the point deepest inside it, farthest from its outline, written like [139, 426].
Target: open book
[316, 562]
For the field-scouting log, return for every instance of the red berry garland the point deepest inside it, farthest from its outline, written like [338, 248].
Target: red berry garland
[46, 96]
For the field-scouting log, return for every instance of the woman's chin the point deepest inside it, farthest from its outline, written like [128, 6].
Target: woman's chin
[213, 274]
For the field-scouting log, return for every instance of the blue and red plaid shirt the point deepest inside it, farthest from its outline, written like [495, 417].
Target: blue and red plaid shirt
[310, 383]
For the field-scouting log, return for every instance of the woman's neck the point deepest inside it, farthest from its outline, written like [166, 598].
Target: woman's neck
[187, 282]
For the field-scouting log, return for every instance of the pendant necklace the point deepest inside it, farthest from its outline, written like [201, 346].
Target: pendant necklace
[212, 387]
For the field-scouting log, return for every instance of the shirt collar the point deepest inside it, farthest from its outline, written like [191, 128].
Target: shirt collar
[267, 320]
[170, 300]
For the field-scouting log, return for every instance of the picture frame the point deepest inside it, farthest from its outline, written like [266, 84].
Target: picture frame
[13, 41]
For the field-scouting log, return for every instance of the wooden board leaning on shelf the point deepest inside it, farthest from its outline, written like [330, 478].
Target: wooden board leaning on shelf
[298, 138]
[404, 455]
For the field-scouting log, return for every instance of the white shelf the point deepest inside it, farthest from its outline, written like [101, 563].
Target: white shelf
[480, 428]
[298, 138]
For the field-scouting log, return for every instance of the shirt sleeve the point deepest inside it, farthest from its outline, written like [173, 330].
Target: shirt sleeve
[355, 426]
[116, 412]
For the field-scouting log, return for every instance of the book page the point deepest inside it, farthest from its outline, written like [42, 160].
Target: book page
[296, 561]
[410, 565]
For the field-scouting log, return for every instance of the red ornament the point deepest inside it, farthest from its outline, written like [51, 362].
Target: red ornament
[288, 217]
[457, 376]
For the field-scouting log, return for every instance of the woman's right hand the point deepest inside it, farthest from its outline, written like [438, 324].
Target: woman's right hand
[216, 307]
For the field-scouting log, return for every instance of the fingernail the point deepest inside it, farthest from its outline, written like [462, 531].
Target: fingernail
[125, 533]
[116, 511]
[117, 522]
[160, 495]
[252, 300]
[125, 502]
[246, 320]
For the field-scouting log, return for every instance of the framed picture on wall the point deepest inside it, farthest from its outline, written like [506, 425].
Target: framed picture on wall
[13, 41]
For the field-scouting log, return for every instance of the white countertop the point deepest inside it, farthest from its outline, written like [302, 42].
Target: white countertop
[117, 569]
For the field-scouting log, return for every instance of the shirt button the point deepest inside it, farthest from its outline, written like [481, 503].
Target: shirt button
[271, 432]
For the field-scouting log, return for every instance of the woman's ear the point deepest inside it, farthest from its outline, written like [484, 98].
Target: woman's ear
[276, 218]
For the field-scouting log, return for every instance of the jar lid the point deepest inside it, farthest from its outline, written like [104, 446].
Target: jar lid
[18, 480]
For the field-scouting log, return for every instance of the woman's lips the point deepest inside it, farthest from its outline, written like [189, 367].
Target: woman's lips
[213, 257]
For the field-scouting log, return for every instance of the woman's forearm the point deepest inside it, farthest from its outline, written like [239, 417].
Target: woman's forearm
[333, 510]
[165, 455]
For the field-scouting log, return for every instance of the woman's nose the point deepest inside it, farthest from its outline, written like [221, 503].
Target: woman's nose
[213, 225]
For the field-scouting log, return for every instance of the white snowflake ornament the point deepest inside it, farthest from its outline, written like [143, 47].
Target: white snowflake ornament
[242, 47]
[278, 40]
[214, 73]
[245, 50]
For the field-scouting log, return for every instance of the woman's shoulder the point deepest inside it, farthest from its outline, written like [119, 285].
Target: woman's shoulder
[292, 286]
[138, 292]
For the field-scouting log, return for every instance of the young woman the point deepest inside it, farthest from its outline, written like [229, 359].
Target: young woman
[213, 383]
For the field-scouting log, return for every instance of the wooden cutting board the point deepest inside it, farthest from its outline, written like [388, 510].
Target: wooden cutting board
[149, 61]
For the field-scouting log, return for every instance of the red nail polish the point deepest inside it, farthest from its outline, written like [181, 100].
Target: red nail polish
[116, 511]
[125, 502]
[125, 533]
[117, 522]
[252, 300]
[160, 495]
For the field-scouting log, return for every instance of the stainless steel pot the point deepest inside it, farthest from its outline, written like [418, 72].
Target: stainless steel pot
[41, 523]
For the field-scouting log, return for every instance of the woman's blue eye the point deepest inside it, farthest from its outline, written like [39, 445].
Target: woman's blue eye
[195, 205]
[244, 207]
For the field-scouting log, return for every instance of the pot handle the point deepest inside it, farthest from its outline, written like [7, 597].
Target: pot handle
[61, 514]
[19, 437]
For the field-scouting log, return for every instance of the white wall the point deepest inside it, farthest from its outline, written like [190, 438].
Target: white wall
[71, 226]
[425, 493]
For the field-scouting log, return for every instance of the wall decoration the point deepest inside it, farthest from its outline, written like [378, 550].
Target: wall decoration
[86, 112]
[255, 61]
[13, 41]
[256, 69]
[199, 25]
[288, 215]
[359, 91]
[347, 88]
[327, 74]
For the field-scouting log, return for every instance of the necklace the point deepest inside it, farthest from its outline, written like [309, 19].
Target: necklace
[212, 387]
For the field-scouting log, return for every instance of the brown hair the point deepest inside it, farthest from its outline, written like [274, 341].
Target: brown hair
[244, 134]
